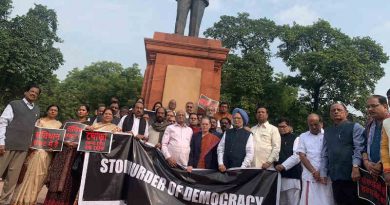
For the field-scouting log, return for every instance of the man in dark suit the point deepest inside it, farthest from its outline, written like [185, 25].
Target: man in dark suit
[197, 8]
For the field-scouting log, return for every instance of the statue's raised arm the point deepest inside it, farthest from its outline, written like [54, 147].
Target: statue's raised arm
[197, 8]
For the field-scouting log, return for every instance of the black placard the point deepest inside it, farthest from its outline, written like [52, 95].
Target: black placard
[48, 139]
[93, 141]
[73, 131]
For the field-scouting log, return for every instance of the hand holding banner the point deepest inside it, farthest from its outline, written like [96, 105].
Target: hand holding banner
[135, 173]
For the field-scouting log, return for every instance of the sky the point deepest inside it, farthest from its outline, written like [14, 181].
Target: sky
[114, 30]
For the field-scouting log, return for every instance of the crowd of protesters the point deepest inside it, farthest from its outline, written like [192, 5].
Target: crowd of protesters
[320, 166]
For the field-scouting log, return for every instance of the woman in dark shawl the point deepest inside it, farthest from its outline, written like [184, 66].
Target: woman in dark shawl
[65, 173]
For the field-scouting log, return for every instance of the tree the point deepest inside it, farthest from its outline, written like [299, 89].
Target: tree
[247, 76]
[50, 95]
[27, 53]
[92, 85]
[5, 10]
[242, 34]
[331, 66]
[247, 67]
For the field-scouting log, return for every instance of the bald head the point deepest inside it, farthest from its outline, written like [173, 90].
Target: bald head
[313, 116]
[180, 117]
[172, 105]
[314, 123]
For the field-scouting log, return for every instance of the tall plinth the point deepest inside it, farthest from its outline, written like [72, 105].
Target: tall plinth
[181, 68]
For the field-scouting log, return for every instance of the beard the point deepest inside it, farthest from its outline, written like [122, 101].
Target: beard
[160, 119]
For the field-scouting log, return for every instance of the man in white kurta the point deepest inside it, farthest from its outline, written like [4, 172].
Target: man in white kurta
[266, 139]
[314, 191]
[176, 141]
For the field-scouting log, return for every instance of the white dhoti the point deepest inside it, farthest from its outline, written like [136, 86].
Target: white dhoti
[314, 193]
[290, 191]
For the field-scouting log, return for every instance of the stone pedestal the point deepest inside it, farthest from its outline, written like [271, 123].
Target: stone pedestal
[182, 68]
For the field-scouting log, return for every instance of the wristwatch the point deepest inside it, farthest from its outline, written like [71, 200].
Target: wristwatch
[355, 165]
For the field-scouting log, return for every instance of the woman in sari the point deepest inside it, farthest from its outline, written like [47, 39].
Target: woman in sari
[37, 165]
[65, 174]
[106, 123]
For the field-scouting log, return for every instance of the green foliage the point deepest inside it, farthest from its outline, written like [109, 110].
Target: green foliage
[331, 66]
[5, 9]
[247, 77]
[27, 53]
[92, 85]
[248, 64]
[282, 101]
[242, 34]
[49, 94]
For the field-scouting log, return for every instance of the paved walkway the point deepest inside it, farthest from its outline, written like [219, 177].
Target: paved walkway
[41, 196]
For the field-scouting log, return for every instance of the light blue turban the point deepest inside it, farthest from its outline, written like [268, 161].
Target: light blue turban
[243, 114]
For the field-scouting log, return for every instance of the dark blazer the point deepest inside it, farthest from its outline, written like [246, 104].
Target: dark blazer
[211, 158]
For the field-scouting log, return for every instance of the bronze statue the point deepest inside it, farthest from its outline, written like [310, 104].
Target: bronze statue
[197, 8]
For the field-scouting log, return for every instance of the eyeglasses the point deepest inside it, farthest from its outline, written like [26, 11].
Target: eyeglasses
[372, 106]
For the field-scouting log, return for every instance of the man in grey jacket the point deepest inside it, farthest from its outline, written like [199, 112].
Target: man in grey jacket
[197, 8]
[16, 128]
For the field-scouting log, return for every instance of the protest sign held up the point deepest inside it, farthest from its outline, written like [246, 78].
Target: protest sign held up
[207, 103]
[92, 141]
[48, 139]
[73, 131]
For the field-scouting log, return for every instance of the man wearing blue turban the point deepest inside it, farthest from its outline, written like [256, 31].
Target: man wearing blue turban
[236, 146]
[243, 114]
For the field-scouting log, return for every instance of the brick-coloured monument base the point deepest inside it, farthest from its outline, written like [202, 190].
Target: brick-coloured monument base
[182, 67]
